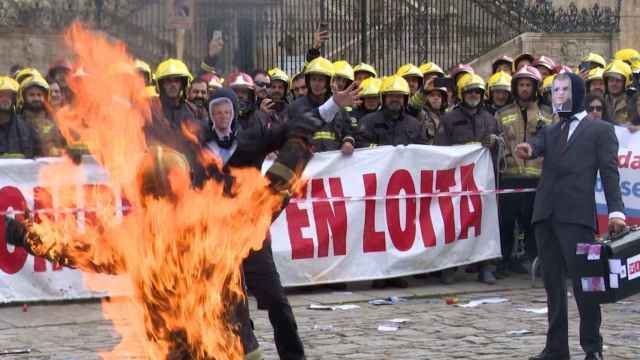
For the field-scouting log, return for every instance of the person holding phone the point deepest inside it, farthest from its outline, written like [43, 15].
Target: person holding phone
[320, 37]
[274, 109]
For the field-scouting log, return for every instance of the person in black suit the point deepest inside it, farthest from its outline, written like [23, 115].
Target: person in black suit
[574, 150]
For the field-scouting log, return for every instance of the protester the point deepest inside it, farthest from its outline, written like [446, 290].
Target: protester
[596, 107]
[198, 98]
[499, 91]
[17, 138]
[616, 78]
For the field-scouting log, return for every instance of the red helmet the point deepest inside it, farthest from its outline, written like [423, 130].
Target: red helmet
[527, 72]
[241, 80]
[562, 69]
[459, 69]
[546, 62]
[504, 59]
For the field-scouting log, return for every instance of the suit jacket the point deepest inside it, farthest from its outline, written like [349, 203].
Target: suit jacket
[567, 187]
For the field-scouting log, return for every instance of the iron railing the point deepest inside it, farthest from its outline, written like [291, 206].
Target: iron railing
[262, 34]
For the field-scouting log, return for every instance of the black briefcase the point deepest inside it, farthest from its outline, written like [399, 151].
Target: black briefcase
[610, 270]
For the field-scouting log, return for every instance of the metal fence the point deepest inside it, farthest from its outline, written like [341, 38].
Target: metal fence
[266, 33]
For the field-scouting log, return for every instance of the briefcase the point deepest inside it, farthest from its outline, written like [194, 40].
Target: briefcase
[610, 270]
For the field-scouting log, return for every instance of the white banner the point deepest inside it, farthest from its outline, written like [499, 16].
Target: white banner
[629, 167]
[22, 276]
[372, 227]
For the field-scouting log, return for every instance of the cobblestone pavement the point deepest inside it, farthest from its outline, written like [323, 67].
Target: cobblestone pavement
[435, 330]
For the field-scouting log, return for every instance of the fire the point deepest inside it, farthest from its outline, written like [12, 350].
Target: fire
[181, 254]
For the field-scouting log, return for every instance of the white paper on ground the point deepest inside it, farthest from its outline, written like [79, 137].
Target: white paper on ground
[333, 307]
[475, 303]
[346, 307]
[519, 332]
[386, 328]
[399, 320]
[538, 311]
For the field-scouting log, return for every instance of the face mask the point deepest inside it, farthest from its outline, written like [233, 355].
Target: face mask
[472, 103]
[244, 107]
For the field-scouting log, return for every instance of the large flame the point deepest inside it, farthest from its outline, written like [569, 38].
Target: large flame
[181, 256]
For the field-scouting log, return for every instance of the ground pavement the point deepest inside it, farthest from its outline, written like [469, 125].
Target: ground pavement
[432, 330]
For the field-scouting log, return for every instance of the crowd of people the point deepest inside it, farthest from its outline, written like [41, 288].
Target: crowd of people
[416, 105]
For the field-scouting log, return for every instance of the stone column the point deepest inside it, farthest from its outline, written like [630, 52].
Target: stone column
[629, 25]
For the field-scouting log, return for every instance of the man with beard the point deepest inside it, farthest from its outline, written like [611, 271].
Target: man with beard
[173, 78]
[370, 96]
[594, 82]
[468, 123]
[521, 121]
[198, 99]
[16, 137]
[34, 94]
[274, 109]
[298, 86]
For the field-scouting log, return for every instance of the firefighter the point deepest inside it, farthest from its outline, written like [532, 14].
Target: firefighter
[627, 55]
[172, 82]
[33, 98]
[589, 62]
[413, 76]
[17, 138]
[455, 74]
[520, 122]
[429, 71]
[363, 71]
[242, 84]
[391, 125]
[147, 75]
[470, 123]
[336, 134]
[617, 77]
[499, 91]
[594, 81]
[298, 86]
[545, 65]
[504, 63]
[370, 96]
[275, 108]
[522, 60]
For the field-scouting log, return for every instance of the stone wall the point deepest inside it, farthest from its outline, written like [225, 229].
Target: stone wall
[566, 48]
[29, 49]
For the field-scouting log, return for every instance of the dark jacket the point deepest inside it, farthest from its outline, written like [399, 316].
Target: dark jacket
[333, 134]
[177, 117]
[18, 139]
[379, 129]
[459, 127]
[566, 189]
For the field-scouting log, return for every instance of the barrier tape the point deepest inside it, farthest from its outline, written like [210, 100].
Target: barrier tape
[416, 196]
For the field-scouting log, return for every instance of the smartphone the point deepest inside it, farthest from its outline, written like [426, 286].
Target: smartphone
[323, 27]
[278, 106]
[585, 66]
[440, 82]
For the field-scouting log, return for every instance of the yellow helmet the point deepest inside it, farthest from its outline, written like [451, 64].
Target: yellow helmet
[594, 74]
[409, 70]
[365, 68]
[618, 68]
[627, 55]
[499, 81]
[31, 81]
[394, 84]
[470, 82]
[319, 66]
[173, 68]
[150, 91]
[370, 87]
[430, 68]
[548, 83]
[8, 84]
[595, 58]
[343, 69]
[278, 74]
[144, 68]
[25, 73]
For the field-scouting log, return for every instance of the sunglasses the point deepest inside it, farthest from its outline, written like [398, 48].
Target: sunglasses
[262, 84]
[596, 108]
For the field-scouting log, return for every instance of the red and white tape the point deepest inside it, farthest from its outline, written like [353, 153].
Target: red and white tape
[416, 196]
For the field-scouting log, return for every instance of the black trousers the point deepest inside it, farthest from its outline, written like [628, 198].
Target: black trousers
[263, 282]
[516, 207]
[557, 247]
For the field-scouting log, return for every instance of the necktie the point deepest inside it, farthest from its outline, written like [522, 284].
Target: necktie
[564, 132]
